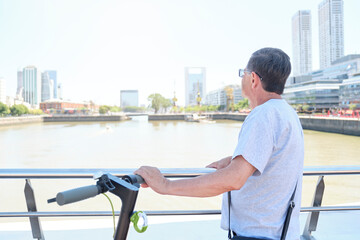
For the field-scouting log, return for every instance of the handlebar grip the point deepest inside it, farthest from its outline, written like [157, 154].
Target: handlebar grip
[133, 179]
[139, 179]
[77, 194]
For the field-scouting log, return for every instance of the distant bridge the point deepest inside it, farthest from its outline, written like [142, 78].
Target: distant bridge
[136, 114]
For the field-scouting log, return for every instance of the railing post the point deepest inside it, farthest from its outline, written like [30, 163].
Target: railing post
[313, 217]
[31, 206]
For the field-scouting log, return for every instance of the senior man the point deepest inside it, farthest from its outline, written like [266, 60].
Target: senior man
[265, 171]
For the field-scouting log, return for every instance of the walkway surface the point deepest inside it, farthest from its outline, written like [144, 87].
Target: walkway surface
[331, 226]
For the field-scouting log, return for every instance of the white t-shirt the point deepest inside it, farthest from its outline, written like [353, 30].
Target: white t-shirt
[271, 139]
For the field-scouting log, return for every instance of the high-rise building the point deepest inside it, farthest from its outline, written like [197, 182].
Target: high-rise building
[301, 41]
[32, 85]
[331, 31]
[195, 85]
[2, 90]
[19, 89]
[129, 98]
[59, 91]
[47, 87]
[53, 76]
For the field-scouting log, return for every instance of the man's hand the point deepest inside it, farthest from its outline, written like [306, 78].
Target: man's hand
[153, 179]
[221, 163]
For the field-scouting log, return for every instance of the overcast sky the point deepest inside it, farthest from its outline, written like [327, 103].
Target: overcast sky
[99, 47]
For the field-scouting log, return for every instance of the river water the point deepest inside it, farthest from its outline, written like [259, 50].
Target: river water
[165, 144]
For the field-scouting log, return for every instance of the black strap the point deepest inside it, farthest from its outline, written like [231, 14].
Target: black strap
[287, 218]
[288, 215]
[229, 201]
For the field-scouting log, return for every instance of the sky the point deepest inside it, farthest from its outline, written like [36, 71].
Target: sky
[99, 47]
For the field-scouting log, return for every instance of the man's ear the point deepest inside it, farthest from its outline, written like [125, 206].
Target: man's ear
[254, 80]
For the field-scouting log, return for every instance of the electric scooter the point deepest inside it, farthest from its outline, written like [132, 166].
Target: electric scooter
[126, 189]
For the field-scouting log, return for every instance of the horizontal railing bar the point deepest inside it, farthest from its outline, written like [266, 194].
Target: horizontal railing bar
[89, 173]
[157, 213]
[332, 170]
[168, 172]
[104, 213]
[329, 208]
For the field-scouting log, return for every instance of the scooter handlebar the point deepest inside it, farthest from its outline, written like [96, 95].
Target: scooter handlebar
[139, 179]
[134, 179]
[77, 194]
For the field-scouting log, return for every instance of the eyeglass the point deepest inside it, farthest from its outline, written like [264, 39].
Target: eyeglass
[242, 73]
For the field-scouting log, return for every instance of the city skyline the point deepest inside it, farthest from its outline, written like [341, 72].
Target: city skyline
[145, 46]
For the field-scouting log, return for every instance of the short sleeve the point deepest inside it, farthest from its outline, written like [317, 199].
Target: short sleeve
[256, 141]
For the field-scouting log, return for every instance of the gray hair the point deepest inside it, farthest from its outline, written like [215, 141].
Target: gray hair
[273, 66]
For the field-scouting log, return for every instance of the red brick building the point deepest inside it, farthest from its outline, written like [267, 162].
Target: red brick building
[61, 106]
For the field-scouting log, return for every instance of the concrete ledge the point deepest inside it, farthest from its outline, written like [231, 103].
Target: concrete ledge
[80, 118]
[214, 116]
[171, 117]
[19, 120]
[333, 125]
[228, 116]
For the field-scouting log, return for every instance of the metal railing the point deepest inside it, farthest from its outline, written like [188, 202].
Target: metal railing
[27, 174]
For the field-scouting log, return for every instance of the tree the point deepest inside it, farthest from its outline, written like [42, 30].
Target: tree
[104, 109]
[133, 109]
[156, 101]
[305, 107]
[166, 103]
[36, 112]
[229, 98]
[243, 104]
[18, 110]
[115, 109]
[4, 110]
[352, 106]
[213, 108]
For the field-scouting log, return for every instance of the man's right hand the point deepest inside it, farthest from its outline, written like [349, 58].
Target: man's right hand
[221, 163]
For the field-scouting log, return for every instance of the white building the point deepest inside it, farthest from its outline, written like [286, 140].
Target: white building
[331, 31]
[10, 101]
[218, 97]
[301, 42]
[129, 98]
[195, 82]
[2, 90]
[32, 86]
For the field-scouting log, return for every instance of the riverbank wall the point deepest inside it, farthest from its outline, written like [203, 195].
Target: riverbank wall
[332, 125]
[214, 116]
[167, 117]
[20, 120]
[71, 118]
[85, 118]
